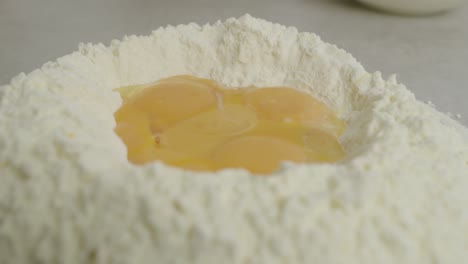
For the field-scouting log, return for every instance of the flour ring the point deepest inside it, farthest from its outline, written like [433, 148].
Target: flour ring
[69, 195]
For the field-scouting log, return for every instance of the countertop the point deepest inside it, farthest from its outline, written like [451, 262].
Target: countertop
[429, 54]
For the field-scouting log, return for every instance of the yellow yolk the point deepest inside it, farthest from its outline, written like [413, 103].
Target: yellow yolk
[133, 128]
[283, 104]
[260, 154]
[200, 134]
[194, 124]
[174, 99]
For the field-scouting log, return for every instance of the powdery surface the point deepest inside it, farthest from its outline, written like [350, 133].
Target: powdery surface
[68, 194]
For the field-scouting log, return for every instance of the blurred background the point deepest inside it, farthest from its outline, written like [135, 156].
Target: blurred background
[428, 53]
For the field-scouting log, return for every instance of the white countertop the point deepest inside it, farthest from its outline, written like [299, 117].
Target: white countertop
[429, 54]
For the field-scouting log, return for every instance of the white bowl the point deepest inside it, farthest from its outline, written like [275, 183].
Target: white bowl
[413, 7]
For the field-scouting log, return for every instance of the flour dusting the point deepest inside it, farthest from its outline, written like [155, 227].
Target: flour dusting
[68, 195]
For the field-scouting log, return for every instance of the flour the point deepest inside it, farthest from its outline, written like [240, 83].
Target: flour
[68, 194]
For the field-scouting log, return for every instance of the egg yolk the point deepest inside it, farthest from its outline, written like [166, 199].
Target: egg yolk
[195, 124]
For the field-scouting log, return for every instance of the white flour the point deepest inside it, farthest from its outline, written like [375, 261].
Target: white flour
[68, 194]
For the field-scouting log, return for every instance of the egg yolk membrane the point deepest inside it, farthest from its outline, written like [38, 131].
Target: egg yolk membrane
[195, 124]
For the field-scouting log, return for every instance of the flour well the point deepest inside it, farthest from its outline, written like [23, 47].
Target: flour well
[68, 195]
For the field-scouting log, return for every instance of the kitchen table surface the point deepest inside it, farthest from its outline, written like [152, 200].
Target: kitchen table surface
[428, 54]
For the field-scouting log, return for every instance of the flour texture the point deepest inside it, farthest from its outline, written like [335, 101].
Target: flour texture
[68, 195]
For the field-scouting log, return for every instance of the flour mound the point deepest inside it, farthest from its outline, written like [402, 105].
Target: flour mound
[68, 195]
